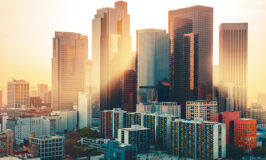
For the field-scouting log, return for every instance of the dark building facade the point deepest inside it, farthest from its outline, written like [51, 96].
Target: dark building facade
[130, 93]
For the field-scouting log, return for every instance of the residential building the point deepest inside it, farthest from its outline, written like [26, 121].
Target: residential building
[49, 148]
[258, 113]
[198, 139]
[35, 102]
[228, 119]
[233, 61]
[245, 134]
[197, 20]
[3, 120]
[114, 150]
[111, 121]
[201, 109]
[18, 94]
[42, 90]
[152, 49]
[132, 118]
[84, 110]
[69, 69]
[150, 121]
[6, 143]
[130, 93]
[67, 120]
[169, 108]
[136, 135]
[111, 49]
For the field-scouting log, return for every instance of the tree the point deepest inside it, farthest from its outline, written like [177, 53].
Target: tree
[235, 153]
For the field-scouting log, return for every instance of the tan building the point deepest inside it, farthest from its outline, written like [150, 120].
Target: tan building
[204, 109]
[69, 68]
[6, 143]
[42, 90]
[18, 94]
[233, 61]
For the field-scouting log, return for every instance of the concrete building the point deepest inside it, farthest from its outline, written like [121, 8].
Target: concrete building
[114, 150]
[150, 121]
[198, 139]
[111, 121]
[136, 135]
[3, 120]
[169, 108]
[97, 144]
[111, 50]
[67, 120]
[152, 49]
[69, 68]
[245, 134]
[6, 143]
[49, 148]
[84, 110]
[233, 61]
[35, 102]
[18, 94]
[197, 20]
[132, 118]
[228, 119]
[42, 90]
[201, 109]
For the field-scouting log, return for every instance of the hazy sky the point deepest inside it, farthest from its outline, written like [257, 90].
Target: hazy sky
[27, 28]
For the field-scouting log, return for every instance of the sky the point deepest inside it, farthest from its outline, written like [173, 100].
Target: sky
[27, 28]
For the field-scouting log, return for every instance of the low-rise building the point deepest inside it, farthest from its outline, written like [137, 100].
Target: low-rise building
[204, 109]
[94, 143]
[6, 143]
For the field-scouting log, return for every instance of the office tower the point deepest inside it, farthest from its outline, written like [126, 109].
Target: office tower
[3, 120]
[233, 61]
[152, 62]
[169, 108]
[228, 119]
[50, 147]
[245, 134]
[202, 24]
[1, 98]
[262, 99]
[18, 94]
[6, 140]
[130, 94]
[132, 118]
[141, 138]
[111, 53]
[84, 110]
[198, 139]
[163, 91]
[163, 131]
[204, 109]
[69, 68]
[42, 90]
[111, 121]
[114, 150]
[35, 102]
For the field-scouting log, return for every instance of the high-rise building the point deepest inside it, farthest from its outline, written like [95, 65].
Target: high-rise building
[111, 121]
[3, 120]
[49, 147]
[169, 108]
[1, 98]
[18, 94]
[48, 97]
[228, 119]
[152, 62]
[136, 135]
[195, 19]
[245, 134]
[111, 50]
[69, 68]
[198, 139]
[233, 61]
[84, 110]
[204, 109]
[42, 90]
[130, 93]
[35, 102]
[6, 141]
[132, 118]
[151, 121]
[257, 113]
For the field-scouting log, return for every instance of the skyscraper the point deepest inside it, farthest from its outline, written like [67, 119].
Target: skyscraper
[202, 23]
[111, 52]
[69, 68]
[233, 61]
[42, 90]
[152, 62]
[18, 94]
[130, 95]
[84, 110]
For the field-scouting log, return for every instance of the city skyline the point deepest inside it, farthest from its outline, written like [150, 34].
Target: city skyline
[38, 49]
